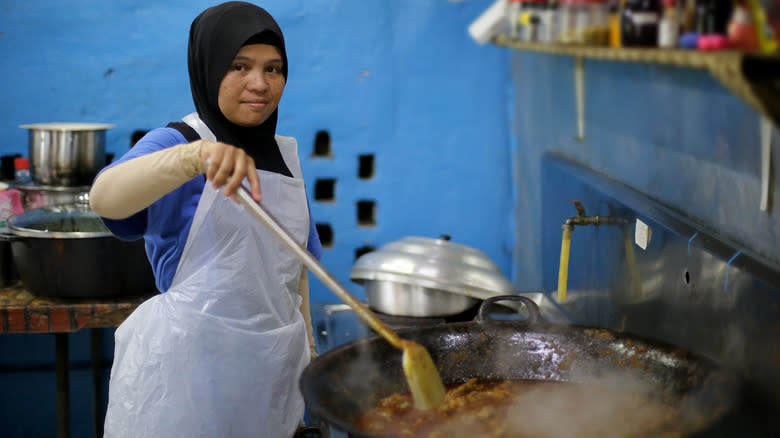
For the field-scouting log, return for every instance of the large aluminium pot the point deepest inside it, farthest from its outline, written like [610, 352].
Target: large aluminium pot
[66, 154]
[423, 277]
[342, 384]
[65, 251]
[34, 196]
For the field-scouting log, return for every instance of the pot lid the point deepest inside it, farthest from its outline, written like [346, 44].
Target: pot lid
[433, 263]
[69, 126]
[31, 187]
[75, 220]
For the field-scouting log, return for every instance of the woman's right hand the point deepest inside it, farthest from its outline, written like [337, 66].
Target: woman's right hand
[227, 166]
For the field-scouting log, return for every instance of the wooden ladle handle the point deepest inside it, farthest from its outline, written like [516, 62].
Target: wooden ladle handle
[245, 197]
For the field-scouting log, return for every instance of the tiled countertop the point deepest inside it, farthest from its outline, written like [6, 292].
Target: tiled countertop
[22, 312]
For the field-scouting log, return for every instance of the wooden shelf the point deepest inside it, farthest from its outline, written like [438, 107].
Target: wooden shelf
[752, 76]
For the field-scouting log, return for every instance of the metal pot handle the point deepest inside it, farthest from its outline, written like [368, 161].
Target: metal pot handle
[534, 315]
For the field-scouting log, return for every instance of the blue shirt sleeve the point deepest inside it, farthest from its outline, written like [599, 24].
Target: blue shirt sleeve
[314, 245]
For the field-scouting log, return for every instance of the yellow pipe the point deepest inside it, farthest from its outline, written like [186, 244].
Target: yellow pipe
[563, 269]
[766, 43]
[633, 271]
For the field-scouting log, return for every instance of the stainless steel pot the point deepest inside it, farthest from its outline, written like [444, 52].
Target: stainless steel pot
[66, 154]
[35, 196]
[396, 298]
[65, 251]
[424, 277]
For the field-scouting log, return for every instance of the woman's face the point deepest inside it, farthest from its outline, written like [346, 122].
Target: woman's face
[252, 86]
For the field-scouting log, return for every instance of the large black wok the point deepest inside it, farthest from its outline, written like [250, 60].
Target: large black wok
[343, 383]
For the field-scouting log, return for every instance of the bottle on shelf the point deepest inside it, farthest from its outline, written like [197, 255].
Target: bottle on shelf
[513, 17]
[597, 30]
[742, 33]
[615, 8]
[669, 26]
[639, 23]
[533, 20]
[549, 18]
[712, 18]
[566, 21]
[766, 32]
[22, 170]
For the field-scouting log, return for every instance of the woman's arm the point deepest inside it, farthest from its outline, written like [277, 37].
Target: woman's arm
[129, 187]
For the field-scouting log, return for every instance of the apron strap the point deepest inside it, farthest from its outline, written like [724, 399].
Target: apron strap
[186, 130]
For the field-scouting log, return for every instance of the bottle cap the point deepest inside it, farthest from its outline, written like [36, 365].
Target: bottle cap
[21, 163]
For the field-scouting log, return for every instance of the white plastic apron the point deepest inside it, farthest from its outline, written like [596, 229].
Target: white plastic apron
[220, 353]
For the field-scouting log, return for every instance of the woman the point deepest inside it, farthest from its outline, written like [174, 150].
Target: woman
[219, 352]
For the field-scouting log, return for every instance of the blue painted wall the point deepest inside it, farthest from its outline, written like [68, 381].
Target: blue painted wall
[397, 79]
[400, 80]
[675, 135]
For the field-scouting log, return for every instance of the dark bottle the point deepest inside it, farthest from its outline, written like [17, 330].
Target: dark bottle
[712, 16]
[639, 23]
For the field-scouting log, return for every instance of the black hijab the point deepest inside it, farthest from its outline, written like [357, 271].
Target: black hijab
[216, 35]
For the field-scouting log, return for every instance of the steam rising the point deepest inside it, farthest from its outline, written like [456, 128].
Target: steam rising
[622, 405]
[613, 407]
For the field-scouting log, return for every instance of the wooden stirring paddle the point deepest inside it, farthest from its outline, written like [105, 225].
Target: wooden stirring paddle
[421, 374]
